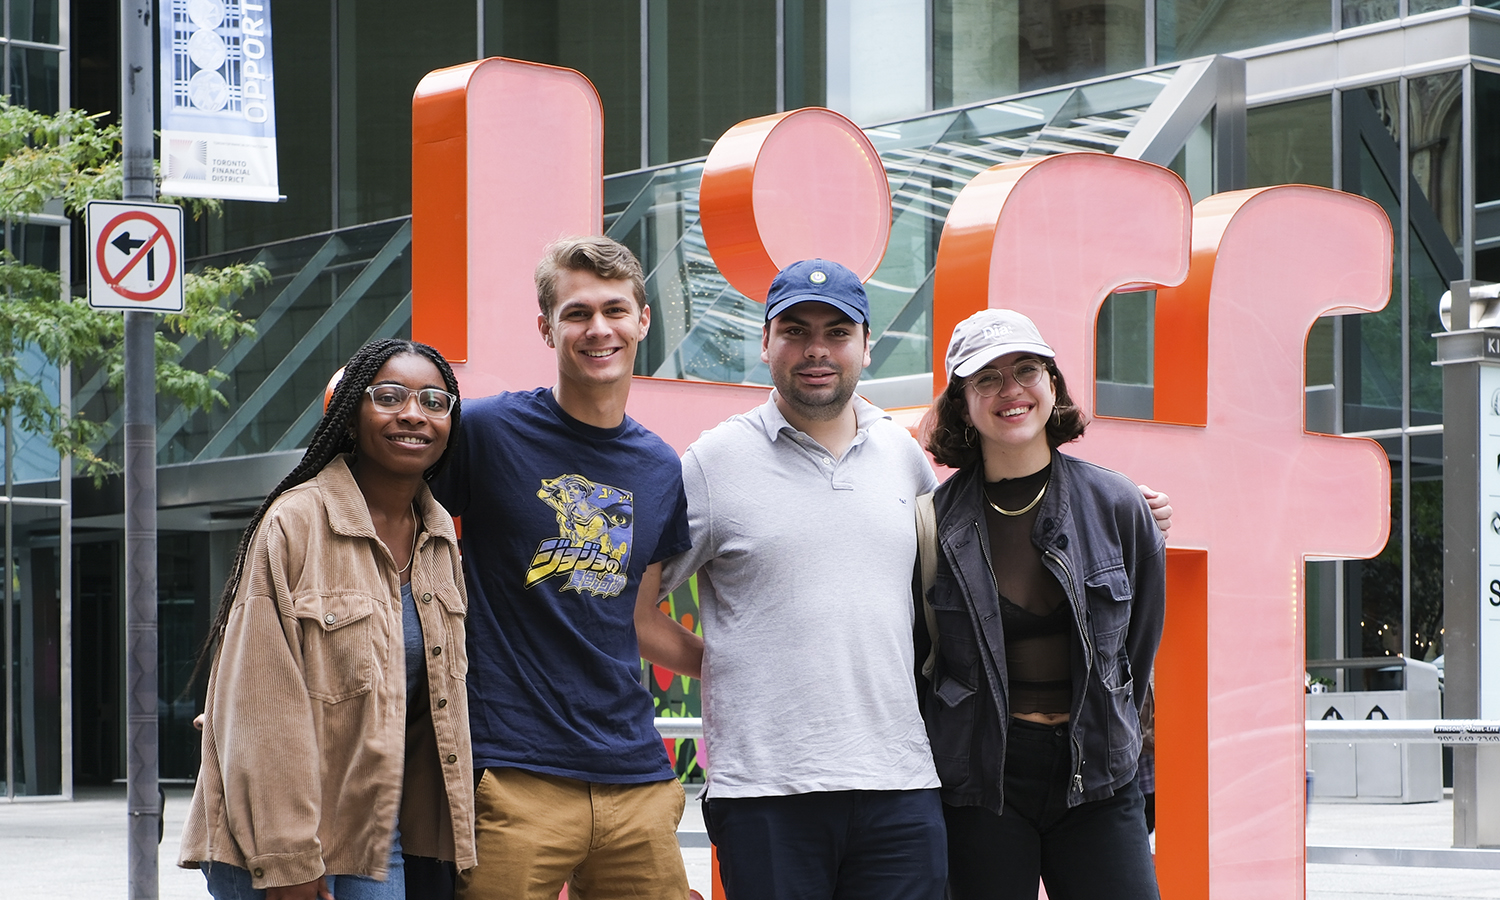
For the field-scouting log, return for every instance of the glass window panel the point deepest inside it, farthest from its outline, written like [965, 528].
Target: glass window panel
[304, 136]
[985, 49]
[94, 45]
[35, 79]
[1373, 348]
[1427, 287]
[1363, 12]
[1427, 549]
[184, 605]
[1486, 138]
[1189, 28]
[98, 620]
[600, 39]
[1320, 403]
[1374, 602]
[36, 245]
[713, 64]
[1125, 337]
[35, 459]
[1290, 143]
[34, 20]
[384, 49]
[1435, 120]
[1320, 352]
[805, 46]
[35, 618]
[1413, 7]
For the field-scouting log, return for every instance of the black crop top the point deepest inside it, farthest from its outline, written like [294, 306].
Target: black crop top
[1034, 613]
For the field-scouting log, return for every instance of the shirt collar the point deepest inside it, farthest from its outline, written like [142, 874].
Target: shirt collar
[349, 515]
[773, 422]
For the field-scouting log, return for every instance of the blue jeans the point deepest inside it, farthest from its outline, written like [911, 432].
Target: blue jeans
[830, 845]
[1093, 850]
[227, 882]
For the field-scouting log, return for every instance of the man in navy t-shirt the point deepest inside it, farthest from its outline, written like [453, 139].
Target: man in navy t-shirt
[569, 507]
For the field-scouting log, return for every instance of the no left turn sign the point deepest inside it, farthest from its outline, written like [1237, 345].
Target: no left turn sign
[135, 256]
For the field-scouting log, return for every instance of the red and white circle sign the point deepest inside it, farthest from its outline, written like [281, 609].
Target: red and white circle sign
[135, 260]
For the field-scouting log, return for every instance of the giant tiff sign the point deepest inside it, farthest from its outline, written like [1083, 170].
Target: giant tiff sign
[508, 156]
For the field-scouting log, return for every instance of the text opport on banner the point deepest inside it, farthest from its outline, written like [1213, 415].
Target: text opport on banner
[218, 113]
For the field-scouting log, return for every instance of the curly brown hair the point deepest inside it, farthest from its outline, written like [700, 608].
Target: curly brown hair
[951, 439]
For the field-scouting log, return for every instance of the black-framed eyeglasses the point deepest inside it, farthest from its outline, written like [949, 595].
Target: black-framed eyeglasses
[1026, 373]
[393, 397]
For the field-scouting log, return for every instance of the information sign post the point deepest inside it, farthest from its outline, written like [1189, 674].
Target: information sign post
[1470, 359]
[138, 157]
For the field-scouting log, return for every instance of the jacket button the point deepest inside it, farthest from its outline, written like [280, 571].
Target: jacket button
[1062, 542]
[453, 757]
[442, 703]
[258, 872]
[1048, 524]
[330, 618]
[437, 651]
[427, 597]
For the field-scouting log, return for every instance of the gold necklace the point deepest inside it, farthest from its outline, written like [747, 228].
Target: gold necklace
[1023, 510]
[415, 530]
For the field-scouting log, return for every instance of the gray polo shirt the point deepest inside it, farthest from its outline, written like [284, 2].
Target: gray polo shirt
[804, 568]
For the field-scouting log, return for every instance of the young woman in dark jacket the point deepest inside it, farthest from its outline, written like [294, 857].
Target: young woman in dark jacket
[1049, 597]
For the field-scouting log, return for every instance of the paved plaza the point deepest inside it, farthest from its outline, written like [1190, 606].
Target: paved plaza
[57, 849]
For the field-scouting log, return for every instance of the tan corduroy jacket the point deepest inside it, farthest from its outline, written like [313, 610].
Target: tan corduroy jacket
[307, 754]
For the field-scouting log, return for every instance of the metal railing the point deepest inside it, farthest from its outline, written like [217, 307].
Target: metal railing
[1404, 731]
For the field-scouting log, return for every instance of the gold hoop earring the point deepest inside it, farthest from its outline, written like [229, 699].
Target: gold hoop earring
[969, 435]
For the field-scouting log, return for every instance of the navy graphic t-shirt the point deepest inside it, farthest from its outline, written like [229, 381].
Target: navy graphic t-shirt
[559, 521]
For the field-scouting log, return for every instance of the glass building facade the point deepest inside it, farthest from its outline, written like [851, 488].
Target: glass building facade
[943, 89]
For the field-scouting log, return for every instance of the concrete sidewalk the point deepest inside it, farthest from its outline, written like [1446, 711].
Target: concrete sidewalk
[54, 849]
[57, 849]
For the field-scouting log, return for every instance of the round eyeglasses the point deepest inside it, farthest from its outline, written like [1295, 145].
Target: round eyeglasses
[988, 382]
[393, 397]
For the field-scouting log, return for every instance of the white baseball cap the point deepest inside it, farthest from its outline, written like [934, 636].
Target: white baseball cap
[990, 334]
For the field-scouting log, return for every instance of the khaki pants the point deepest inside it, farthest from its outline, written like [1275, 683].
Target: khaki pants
[535, 833]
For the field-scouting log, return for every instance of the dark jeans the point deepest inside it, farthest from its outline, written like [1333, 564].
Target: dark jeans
[1096, 851]
[830, 845]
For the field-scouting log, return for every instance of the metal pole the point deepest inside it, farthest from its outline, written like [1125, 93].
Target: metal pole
[137, 88]
[10, 578]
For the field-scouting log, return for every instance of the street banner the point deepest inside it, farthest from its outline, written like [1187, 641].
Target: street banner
[218, 112]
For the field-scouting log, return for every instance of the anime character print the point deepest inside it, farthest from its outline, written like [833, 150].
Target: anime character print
[593, 547]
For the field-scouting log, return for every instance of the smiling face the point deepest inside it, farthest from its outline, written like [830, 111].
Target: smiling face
[1013, 422]
[816, 354]
[407, 441]
[595, 327]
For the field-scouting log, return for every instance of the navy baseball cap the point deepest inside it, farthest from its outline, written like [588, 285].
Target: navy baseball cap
[822, 280]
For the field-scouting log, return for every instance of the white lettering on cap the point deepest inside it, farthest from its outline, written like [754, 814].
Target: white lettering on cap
[996, 331]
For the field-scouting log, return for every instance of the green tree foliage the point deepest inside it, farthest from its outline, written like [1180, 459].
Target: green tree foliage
[59, 163]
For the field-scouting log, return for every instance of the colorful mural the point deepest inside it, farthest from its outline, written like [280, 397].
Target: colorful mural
[678, 696]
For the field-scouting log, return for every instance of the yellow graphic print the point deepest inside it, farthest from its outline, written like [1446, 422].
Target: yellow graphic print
[593, 549]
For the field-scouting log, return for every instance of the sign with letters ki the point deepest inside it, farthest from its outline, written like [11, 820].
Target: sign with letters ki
[135, 256]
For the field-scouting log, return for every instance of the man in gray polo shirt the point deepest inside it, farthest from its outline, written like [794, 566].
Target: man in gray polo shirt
[820, 778]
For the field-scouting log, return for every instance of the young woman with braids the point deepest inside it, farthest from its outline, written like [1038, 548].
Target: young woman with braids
[336, 733]
[1048, 595]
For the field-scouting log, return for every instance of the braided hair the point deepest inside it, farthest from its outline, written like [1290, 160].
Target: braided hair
[334, 435]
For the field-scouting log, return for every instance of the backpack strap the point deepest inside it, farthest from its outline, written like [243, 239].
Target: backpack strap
[927, 552]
